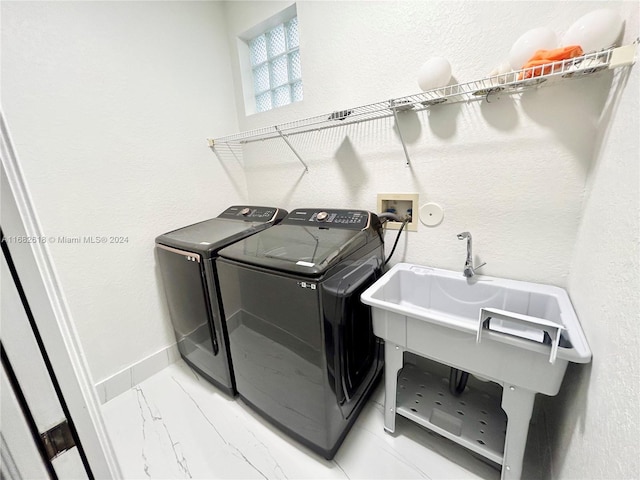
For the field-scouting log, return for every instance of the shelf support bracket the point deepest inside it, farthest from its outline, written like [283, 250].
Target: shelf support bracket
[404, 146]
[306, 169]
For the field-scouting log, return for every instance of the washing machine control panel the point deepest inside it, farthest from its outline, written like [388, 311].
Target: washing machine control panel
[329, 218]
[249, 213]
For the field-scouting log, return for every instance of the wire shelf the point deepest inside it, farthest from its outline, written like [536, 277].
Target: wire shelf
[503, 84]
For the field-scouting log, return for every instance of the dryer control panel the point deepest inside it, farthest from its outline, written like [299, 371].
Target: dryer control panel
[329, 218]
[249, 213]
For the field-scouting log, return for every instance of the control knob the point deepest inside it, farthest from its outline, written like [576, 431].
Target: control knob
[245, 211]
[322, 216]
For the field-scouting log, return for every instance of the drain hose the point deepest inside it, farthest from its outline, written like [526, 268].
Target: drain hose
[386, 216]
[395, 244]
[457, 381]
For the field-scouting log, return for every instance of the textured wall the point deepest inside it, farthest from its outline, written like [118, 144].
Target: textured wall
[547, 182]
[601, 418]
[109, 105]
[511, 171]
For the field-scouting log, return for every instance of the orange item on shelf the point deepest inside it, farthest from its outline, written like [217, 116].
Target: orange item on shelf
[544, 57]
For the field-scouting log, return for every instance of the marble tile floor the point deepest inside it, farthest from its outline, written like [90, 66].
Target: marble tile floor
[176, 425]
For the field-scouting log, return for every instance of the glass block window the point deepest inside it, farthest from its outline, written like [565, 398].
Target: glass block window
[275, 62]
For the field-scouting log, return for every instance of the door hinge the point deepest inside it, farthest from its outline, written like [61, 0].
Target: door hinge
[57, 440]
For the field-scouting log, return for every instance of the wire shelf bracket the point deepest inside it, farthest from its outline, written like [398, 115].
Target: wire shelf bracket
[284, 137]
[394, 106]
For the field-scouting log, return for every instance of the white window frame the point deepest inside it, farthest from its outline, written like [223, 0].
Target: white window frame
[246, 67]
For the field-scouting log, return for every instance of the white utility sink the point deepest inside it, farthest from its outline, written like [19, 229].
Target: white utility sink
[520, 335]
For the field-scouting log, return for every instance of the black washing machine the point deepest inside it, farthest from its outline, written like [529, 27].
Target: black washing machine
[305, 356]
[187, 263]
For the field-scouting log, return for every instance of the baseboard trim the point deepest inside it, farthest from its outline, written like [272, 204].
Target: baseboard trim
[131, 376]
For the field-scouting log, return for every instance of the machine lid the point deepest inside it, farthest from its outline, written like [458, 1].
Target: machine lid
[308, 241]
[233, 224]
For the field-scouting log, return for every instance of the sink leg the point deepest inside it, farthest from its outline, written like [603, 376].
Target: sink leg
[392, 363]
[518, 405]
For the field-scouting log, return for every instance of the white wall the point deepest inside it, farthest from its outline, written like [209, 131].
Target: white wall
[109, 105]
[547, 182]
[512, 171]
[600, 408]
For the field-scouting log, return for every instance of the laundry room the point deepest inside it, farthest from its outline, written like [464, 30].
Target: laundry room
[157, 166]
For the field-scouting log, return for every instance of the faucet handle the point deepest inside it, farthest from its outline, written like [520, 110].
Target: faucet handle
[480, 266]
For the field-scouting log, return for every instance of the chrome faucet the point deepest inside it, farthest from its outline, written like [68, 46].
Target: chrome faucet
[469, 270]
